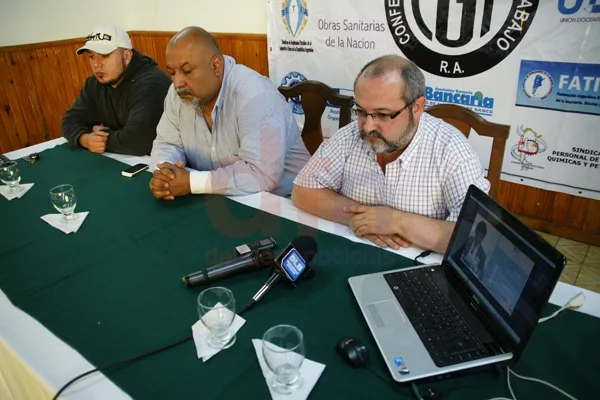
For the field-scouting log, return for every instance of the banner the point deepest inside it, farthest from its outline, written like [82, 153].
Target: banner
[480, 54]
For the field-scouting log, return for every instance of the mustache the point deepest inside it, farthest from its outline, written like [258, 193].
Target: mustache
[182, 92]
[375, 134]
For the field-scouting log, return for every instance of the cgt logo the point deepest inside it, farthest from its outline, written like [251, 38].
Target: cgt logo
[294, 14]
[569, 7]
[458, 40]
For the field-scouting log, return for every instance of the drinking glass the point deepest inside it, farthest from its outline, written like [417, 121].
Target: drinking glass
[216, 308]
[10, 175]
[283, 350]
[64, 199]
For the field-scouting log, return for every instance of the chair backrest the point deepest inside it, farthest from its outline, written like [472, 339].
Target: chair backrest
[314, 97]
[464, 120]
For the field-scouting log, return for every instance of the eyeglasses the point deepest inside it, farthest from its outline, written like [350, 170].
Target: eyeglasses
[382, 117]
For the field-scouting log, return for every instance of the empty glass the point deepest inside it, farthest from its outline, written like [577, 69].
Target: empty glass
[283, 350]
[216, 308]
[64, 199]
[10, 175]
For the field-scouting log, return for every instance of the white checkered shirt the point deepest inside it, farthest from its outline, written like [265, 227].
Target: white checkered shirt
[430, 178]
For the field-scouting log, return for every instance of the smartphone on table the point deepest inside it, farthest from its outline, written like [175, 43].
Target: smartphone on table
[134, 170]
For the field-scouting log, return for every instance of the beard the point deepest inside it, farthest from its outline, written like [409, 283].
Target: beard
[390, 146]
[116, 80]
[194, 101]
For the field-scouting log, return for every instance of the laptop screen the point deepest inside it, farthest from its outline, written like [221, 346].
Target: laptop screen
[508, 269]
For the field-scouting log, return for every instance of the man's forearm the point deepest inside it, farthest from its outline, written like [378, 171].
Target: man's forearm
[83, 140]
[166, 152]
[425, 232]
[324, 203]
[73, 133]
[135, 141]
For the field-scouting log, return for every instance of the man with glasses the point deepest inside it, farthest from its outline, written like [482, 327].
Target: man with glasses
[397, 175]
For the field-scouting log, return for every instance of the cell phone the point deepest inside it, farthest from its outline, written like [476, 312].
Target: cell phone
[135, 170]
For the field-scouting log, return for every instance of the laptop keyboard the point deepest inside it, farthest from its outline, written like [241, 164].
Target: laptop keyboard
[446, 336]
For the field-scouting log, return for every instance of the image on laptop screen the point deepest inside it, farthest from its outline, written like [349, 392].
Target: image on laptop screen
[501, 266]
[496, 262]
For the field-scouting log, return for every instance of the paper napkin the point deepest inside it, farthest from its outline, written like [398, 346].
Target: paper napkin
[200, 333]
[4, 191]
[69, 227]
[310, 370]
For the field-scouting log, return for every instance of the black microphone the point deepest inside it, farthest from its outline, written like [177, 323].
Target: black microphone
[252, 261]
[292, 264]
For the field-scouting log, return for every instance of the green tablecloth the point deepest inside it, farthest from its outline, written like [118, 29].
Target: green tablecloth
[113, 290]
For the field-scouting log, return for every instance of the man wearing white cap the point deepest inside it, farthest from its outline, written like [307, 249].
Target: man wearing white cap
[120, 105]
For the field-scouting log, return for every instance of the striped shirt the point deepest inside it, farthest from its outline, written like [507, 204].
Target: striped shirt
[430, 178]
[255, 143]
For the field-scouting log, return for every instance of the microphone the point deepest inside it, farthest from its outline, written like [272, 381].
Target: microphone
[292, 264]
[252, 261]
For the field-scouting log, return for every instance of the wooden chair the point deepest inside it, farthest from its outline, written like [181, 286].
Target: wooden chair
[464, 120]
[314, 96]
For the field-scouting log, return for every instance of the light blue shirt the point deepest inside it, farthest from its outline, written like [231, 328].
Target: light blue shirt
[255, 144]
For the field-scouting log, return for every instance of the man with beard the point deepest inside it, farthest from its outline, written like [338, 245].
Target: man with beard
[397, 175]
[120, 105]
[228, 124]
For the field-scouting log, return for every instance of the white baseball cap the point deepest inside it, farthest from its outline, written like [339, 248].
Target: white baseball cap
[105, 39]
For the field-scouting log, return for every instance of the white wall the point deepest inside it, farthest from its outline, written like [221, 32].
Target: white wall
[235, 16]
[31, 21]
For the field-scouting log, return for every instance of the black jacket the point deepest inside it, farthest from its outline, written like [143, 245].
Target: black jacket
[131, 110]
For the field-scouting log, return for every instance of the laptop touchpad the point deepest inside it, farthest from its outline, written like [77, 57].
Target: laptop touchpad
[384, 312]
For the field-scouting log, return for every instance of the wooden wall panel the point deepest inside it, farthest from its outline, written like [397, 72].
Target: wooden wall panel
[28, 97]
[247, 49]
[40, 81]
[11, 109]
[44, 102]
[562, 202]
[591, 222]
[576, 214]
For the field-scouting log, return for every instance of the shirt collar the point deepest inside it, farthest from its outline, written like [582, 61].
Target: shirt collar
[229, 62]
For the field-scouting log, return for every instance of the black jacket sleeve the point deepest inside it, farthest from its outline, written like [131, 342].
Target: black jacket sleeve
[145, 109]
[81, 117]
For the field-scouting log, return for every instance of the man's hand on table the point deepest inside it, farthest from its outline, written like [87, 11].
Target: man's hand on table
[376, 224]
[392, 241]
[95, 141]
[170, 181]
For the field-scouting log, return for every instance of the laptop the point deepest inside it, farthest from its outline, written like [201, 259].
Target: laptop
[476, 309]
